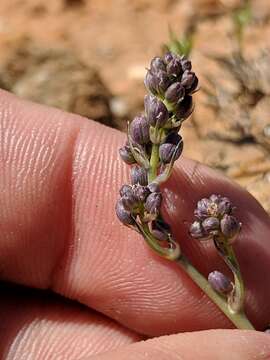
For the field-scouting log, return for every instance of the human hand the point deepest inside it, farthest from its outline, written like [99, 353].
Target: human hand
[60, 176]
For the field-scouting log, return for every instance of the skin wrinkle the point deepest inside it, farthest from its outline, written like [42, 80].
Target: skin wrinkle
[204, 345]
[46, 325]
[64, 256]
[22, 153]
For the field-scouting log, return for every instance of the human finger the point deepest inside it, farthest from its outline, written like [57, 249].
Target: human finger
[59, 179]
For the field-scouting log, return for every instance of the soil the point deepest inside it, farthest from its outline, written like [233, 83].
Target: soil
[89, 57]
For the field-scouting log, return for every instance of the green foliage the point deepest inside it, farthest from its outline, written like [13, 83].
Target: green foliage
[180, 46]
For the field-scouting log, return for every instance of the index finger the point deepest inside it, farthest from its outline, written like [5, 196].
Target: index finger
[59, 179]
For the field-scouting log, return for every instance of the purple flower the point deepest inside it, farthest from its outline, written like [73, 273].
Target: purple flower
[211, 225]
[129, 201]
[125, 190]
[153, 203]
[157, 82]
[196, 230]
[172, 147]
[140, 192]
[175, 93]
[189, 81]
[215, 205]
[184, 108]
[123, 215]
[156, 112]
[214, 214]
[153, 187]
[157, 64]
[230, 226]
[168, 57]
[174, 67]
[138, 175]
[160, 230]
[186, 64]
[126, 155]
[139, 130]
[220, 282]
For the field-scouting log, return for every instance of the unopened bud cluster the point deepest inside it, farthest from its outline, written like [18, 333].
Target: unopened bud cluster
[138, 199]
[215, 219]
[170, 83]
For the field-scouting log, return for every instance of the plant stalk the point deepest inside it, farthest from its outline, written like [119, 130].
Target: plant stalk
[154, 161]
[239, 319]
[236, 300]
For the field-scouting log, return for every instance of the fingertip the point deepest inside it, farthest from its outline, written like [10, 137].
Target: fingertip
[204, 345]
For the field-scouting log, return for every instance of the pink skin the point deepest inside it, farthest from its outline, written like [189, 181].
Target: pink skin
[59, 179]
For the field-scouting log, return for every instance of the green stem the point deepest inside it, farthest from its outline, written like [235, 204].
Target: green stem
[236, 301]
[171, 253]
[154, 161]
[239, 319]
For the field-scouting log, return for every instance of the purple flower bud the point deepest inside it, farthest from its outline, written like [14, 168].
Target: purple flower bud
[126, 155]
[173, 138]
[224, 206]
[230, 226]
[163, 81]
[123, 215]
[184, 108]
[151, 82]
[139, 130]
[215, 198]
[201, 212]
[160, 231]
[153, 203]
[196, 230]
[174, 67]
[175, 93]
[159, 235]
[129, 202]
[126, 190]
[168, 57]
[156, 112]
[138, 175]
[157, 82]
[167, 150]
[220, 282]
[186, 64]
[157, 64]
[153, 187]
[189, 81]
[210, 225]
[140, 192]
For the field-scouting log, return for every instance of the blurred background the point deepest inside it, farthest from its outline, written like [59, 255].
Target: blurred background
[89, 57]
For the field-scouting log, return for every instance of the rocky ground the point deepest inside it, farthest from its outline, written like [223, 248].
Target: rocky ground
[89, 57]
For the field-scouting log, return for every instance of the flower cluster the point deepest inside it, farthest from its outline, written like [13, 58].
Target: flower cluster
[171, 83]
[138, 199]
[153, 142]
[214, 218]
